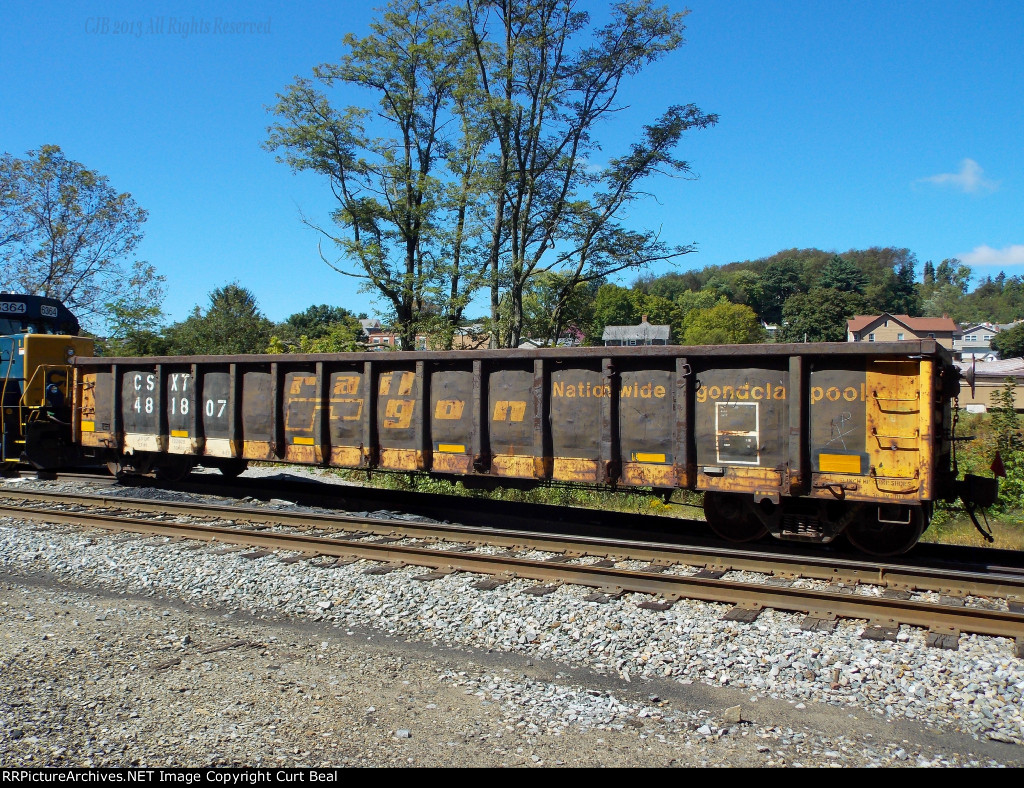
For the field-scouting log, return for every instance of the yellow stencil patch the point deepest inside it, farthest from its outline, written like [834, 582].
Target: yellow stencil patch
[839, 463]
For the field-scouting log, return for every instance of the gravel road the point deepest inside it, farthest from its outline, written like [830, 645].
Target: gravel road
[119, 650]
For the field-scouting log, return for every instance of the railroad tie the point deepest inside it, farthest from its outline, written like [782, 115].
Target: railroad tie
[604, 596]
[885, 629]
[746, 612]
[943, 637]
[656, 606]
[490, 583]
[819, 621]
[542, 590]
[436, 574]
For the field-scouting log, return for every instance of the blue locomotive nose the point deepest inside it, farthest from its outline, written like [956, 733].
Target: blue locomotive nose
[38, 341]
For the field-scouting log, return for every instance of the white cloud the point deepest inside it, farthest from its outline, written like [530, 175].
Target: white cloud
[986, 255]
[970, 179]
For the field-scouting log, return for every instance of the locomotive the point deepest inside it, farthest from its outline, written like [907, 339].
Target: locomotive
[801, 441]
[39, 343]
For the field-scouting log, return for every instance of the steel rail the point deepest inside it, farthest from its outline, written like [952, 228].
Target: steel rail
[897, 577]
[823, 605]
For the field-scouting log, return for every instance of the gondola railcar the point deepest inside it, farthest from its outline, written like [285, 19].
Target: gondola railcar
[802, 441]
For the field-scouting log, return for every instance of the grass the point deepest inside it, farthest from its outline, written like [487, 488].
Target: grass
[952, 526]
[681, 503]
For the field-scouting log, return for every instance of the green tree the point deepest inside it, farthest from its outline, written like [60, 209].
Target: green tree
[546, 81]
[135, 317]
[386, 167]
[233, 324]
[724, 324]
[620, 306]
[948, 301]
[672, 285]
[554, 307]
[779, 280]
[952, 272]
[840, 274]
[819, 315]
[313, 322]
[1010, 343]
[613, 306]
[64, 230]
[1005, 421]
[895, 291]
[698, 299]
[928, 275]
[343, 335]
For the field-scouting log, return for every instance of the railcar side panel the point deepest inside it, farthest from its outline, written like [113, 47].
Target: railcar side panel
[514, 403]
[302, 413]
[349, 417]
[578, 398]
[400, 422]
[182, 437]
[872, 429]
[96, 414]
[742, 429]
[140, 411]
[647, 439]
[453, 429]
[218, 414]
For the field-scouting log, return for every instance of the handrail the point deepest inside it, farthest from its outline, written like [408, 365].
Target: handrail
[3, 390]
[22, 402]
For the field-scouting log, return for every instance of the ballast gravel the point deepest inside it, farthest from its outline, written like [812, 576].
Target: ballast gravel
[122, 650]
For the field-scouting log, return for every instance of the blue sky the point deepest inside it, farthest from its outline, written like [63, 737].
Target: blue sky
[843, 125]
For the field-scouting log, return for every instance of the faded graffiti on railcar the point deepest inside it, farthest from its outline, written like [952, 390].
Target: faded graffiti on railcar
[837, 418]
[346, 422]
[301, 409]
[398, 422]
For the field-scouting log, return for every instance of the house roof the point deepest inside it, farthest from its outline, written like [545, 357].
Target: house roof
[919, 325]
[980, 327]
[644, 330]
[1004, 368]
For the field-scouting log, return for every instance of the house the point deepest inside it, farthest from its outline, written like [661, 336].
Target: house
[465, 338]
[642, 334]
[975, 342]
[533, 344]
[375, 337]
[898, 328]
[989, 378]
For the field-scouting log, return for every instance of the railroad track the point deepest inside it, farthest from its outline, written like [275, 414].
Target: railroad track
[944, 601]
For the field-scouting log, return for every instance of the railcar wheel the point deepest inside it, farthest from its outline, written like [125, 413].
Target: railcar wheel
[233, 468]
[887, 534]
[173, 472]
[730, 519]
[114, 468]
